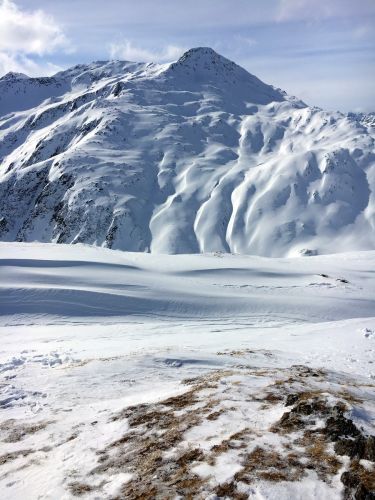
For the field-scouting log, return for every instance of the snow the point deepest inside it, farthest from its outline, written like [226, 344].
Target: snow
[194, 156]
[88, 332]
[128, 372]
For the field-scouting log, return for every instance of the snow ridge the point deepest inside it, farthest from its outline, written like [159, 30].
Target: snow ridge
[194, 156]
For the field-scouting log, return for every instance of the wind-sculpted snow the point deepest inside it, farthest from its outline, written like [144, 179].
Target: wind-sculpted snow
[193, 156]
[134, 375]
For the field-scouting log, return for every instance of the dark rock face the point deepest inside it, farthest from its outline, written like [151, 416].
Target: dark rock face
[291, 399]
[338, 425]
[302, 409]
[370, 448]
[347, 438]
[361, 447]
[355, 488]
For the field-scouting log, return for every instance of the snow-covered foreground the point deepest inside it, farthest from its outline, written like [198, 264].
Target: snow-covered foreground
[128, 375]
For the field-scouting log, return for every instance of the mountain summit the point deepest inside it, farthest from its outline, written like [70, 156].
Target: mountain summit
[205, 61]
[193, 156]
[203, 65]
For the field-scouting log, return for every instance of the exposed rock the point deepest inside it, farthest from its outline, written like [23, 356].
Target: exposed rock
[361, 447]
[338, 425]
[158, 153]
[355, 488]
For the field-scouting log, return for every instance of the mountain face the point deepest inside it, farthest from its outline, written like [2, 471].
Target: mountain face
[193, 156]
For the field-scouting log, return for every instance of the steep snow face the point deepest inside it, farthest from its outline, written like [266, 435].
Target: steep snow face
[193, 156]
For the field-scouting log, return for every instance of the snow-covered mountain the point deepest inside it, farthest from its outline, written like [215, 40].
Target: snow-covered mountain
[193, 156]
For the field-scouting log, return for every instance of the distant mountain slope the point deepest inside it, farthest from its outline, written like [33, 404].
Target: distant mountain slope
[193, 156]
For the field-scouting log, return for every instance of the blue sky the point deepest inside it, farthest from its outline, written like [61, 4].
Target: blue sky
[322, 51]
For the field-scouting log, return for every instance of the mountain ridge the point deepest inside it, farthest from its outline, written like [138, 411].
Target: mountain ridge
[193, 156]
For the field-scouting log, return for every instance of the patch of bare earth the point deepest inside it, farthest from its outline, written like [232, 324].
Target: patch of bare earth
[8, 457]
[15, 431]
[11, 433]
[311, 430]
[78, 489]
[155, 430]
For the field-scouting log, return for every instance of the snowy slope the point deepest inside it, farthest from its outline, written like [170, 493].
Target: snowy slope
[193, 156]
[57, 282]
[128, 375]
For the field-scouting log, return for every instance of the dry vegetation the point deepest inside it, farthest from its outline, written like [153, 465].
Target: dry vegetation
[155, 451]
[8, 457]
[312, 433]
[15, 432]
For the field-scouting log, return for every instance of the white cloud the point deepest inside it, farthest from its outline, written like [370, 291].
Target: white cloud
[23, 64]
[29, 32]
[127, 51]
[27, 36]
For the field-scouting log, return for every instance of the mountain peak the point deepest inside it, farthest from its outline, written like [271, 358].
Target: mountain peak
[194, 156]
[204, 58]
[12, 75]
[198, 53]
[202, 65]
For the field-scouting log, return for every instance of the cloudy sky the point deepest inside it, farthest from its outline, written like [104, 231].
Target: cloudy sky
[322, 51]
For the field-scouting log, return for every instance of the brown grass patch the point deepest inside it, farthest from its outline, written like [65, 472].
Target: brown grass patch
[78, 489]
[155, 429]
[215, 415]
[190, 456]
[270, 399]
[158, 478]
[234, 442]
[268, 465]
[13, 455]
[183, 400]
[349, 397]
[16, 432]
[324, 463]
[154, 450]
[366, 476]
[229, 490]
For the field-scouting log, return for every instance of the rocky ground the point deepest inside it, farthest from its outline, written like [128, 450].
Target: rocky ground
[232, 434]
